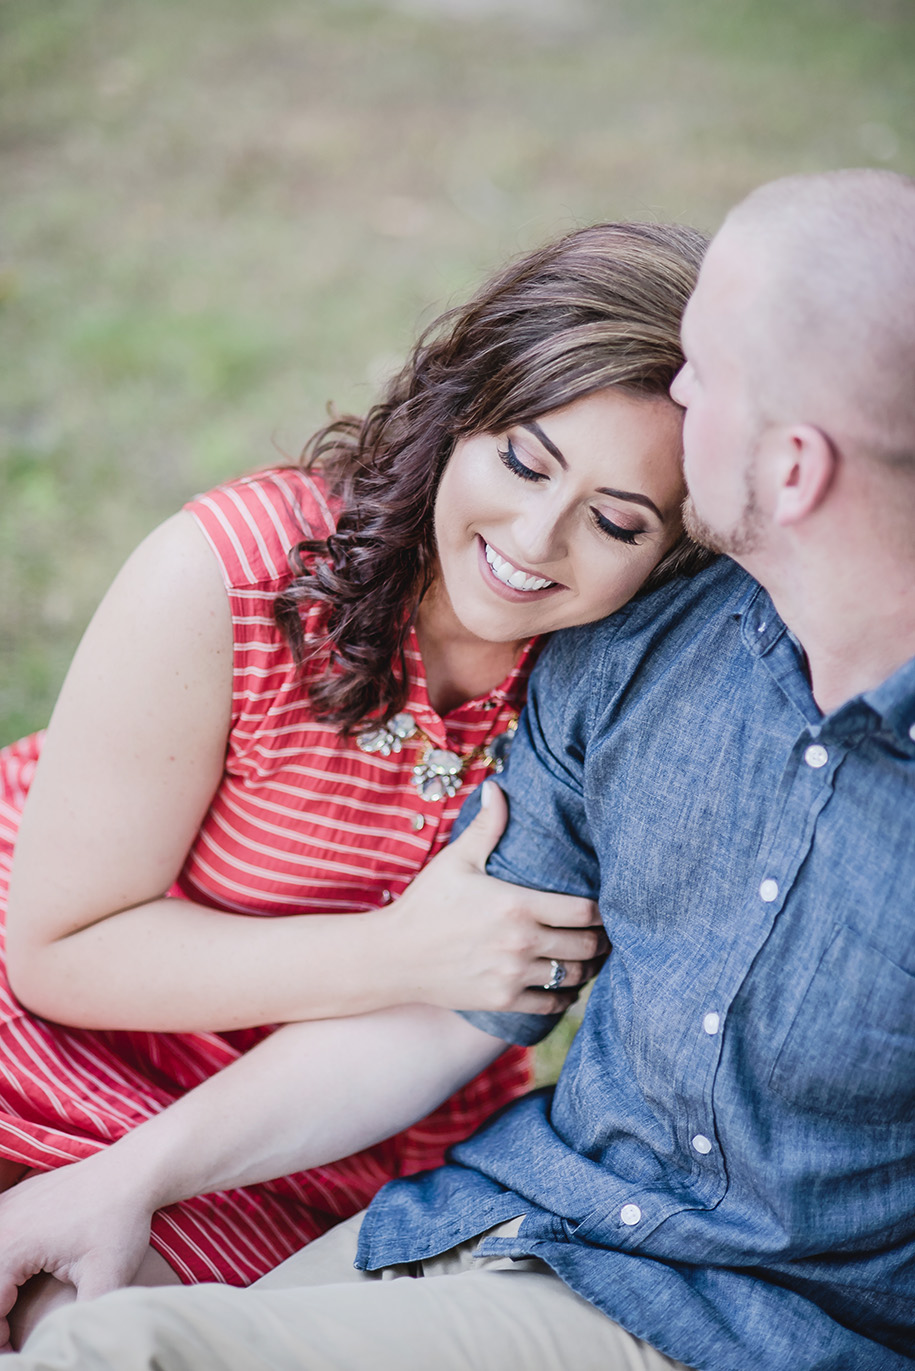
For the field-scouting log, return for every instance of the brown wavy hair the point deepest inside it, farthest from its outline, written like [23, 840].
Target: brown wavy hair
[600, 307]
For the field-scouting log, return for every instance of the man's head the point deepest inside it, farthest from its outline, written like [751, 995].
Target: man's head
[800, 346]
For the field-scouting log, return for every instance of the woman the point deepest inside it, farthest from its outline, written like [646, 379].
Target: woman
[238, 739]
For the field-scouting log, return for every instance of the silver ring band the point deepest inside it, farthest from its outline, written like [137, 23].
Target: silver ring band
[558, 974]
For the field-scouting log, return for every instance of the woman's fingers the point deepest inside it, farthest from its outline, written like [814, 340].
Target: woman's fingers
[573, 974]
[537, 1001]
[563, 911]
[571, 944]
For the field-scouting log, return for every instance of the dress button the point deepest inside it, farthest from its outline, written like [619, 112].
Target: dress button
[417, 823]
[711, 1023]
[702, 1144]
[816, 756]
[630, 1214]
[768, 891]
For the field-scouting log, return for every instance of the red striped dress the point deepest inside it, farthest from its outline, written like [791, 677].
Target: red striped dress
[303, 820]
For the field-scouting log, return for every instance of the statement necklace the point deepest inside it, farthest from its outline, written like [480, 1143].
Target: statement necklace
[439, 772]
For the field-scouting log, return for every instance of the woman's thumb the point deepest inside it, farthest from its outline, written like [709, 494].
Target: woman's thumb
[479, 838]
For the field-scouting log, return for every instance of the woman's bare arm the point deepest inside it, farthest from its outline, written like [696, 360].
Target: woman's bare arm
[309, 1094]
[134, 753]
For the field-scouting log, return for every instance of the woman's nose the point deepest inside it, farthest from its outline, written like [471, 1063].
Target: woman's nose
[539, 535]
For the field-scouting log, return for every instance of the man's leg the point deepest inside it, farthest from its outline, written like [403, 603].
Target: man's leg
[453, 1315]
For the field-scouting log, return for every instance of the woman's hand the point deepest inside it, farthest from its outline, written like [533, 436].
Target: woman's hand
[84, 1224]
[468, 941]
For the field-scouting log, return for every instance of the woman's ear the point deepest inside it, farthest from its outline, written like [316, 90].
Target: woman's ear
[807, 469]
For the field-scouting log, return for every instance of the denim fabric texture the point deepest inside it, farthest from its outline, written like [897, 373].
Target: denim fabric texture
[727, 1164]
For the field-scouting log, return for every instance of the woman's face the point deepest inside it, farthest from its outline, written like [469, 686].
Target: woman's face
[559, 521]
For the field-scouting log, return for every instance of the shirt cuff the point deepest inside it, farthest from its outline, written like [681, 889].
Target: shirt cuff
[524, 1029]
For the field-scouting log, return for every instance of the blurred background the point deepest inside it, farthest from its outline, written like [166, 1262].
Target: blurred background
[218, 216]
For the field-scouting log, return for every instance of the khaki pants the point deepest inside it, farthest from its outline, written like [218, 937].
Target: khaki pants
[317, 1313]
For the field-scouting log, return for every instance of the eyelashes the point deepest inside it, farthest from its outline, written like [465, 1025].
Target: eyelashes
[509, 458]
[511, 461]
[622, 535]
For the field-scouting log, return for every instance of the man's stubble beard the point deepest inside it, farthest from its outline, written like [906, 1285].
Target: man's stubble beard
[737, 542]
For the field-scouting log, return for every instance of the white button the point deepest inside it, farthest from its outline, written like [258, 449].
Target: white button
[711, 1023]
[912, 732]
[816, 756]
[386, 897]
[630, 1214]
[768, 891]
[702, 1144]
[417, 823]
[761, 628]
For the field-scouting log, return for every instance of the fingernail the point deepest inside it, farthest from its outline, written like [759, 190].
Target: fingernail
[486, 794]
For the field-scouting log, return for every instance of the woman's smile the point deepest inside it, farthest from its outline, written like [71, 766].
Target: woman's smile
[509, 579]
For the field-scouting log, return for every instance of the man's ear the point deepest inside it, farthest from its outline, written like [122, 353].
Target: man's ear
[807, 468]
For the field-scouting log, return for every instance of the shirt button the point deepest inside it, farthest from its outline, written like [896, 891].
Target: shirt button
[768, 891]
[417, 823]
[702, 1144]
[386, 897]
[630, 1214]
[816, 756]
[711, 1023]
[912, 732]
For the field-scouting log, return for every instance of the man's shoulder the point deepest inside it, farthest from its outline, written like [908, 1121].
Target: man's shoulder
[661, 620]
[721, 589]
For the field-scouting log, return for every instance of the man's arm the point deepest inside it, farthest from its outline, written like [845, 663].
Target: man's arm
[546, 845]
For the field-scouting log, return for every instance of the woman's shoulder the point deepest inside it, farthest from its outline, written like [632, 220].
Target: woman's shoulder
[253, 523]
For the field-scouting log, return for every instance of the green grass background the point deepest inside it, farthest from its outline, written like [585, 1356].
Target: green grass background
[217, 216]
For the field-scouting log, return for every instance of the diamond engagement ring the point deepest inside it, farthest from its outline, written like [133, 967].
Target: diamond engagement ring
[558, 974]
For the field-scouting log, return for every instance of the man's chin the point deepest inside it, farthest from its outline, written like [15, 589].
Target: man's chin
[738, 542]
[698, 529]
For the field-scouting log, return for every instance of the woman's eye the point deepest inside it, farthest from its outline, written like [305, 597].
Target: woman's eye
[622, 535]
[509, 458]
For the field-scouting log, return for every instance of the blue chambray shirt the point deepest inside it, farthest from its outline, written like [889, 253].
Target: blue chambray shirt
[727, 1164]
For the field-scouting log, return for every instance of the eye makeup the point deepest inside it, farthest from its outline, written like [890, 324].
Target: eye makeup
[510, 459]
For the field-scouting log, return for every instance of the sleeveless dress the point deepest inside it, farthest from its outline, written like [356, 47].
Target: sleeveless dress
[304, 820]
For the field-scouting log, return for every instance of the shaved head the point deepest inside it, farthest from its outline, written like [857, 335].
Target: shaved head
[830, 334]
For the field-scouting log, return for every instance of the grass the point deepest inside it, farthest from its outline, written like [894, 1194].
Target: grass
[217, 217]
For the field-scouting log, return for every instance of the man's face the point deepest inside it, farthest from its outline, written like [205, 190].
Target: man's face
[721, 430]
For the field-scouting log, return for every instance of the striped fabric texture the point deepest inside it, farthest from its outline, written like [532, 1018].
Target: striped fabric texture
[304, 821]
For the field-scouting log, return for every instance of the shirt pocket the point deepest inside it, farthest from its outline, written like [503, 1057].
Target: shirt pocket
[850, 1051]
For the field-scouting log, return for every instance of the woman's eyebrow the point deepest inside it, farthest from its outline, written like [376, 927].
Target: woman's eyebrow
[632, 496]
[552, 449]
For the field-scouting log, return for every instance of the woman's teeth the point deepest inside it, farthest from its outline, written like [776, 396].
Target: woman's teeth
[510, 575]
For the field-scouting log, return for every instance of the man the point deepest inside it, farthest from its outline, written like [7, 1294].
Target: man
[725, 1175]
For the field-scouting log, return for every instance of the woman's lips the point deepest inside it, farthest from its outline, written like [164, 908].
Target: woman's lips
[494, 567]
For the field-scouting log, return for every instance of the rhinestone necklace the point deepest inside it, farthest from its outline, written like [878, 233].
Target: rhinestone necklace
[439, 772]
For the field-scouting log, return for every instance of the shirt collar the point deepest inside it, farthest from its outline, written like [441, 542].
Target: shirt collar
[893, 701]
[760, 625]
